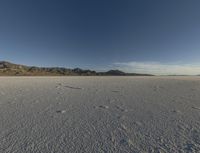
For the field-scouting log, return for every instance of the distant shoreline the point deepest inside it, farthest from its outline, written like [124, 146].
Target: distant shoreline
[10, 69]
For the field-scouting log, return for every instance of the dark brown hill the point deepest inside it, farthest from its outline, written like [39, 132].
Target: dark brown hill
[10, 69]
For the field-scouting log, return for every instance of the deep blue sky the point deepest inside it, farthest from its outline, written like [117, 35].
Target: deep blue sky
[98, 33]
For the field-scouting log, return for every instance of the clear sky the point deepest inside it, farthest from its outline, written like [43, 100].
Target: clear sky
[154, 36]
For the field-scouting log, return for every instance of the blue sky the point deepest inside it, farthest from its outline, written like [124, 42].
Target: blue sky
[156, 36]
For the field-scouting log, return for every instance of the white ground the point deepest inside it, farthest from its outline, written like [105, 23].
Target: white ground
[99, 114]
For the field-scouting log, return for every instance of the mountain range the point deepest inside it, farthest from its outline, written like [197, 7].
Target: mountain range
[11, 69]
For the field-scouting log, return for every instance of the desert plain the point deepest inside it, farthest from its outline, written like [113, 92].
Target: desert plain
[158, 114]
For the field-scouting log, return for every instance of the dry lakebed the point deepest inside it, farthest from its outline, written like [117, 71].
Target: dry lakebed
[100, 114]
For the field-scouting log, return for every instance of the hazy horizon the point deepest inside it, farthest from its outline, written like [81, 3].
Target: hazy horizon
[155, 37]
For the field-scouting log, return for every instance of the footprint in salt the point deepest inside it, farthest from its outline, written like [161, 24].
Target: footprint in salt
[126, 141]
[121, 117]
[198, 108]
[103, 106]
[138, 123]
[176, 111]
[115, 91]
[59, 85]
[61, 111]
[121, 109]
[73, 87]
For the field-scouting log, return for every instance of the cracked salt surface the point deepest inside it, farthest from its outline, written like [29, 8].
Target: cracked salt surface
[111, 114]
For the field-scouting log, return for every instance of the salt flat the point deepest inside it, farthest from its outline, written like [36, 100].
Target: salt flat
[99, 114]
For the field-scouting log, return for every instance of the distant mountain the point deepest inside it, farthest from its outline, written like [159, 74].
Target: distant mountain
[115, 72]
[10, 69]
[8, 65]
